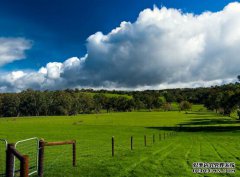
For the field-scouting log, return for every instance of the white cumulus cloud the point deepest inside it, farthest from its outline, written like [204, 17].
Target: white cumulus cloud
[163, 48]
[12, 49]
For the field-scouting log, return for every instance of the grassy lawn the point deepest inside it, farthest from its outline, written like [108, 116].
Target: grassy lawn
[204, 136]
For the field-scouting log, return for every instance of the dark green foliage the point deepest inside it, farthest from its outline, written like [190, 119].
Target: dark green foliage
[86, 104]
[32, 103]
[100, 101]
[61, 103]
[169, 97]
[238, 113]
[147, 99]
[10, 105]
[222, 99]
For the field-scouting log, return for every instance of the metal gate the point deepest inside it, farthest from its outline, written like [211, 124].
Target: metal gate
[3, 148]
[29, 147]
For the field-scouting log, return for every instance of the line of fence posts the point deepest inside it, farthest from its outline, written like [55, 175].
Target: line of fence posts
[165, 135]
[24, 159]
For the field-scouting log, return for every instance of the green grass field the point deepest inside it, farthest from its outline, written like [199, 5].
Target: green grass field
[203, 137]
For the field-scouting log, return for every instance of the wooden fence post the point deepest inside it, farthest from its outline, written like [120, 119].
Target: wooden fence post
[113, 146]
[131, 142]
[9, 161]
[44, 144]
[24, 168]
[41, 158]
[74, 153]
[145, 140]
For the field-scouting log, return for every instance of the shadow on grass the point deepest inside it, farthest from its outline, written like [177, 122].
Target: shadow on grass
[210, 122]
[199, 128]
[200, 123]
[201, 113]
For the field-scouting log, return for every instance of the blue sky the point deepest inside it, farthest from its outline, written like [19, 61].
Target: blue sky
[53, 38]
[59, 28]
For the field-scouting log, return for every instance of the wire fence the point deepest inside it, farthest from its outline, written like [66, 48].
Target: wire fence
[30, 148]
[90, 152]
[59, 156]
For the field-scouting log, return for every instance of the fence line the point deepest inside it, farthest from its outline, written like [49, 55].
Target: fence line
[118, 146]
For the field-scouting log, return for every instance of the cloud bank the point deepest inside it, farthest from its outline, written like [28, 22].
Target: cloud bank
[12, 49]
[163, 48]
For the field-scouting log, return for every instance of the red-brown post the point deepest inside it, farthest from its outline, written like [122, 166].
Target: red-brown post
[74, 153]
[24, 166]
[131, 142]
[9, 160]
[113, 146]
[145, 140]
[41, 158]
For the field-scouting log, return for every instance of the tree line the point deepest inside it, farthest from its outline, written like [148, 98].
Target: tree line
[222, 99]
[71, 102]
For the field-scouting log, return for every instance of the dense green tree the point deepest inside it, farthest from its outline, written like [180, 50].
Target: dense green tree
[10, 105]
[214, 100]
[61, 103]
[86, 103]
[122, 104]
[100, 102]
[228, 102]
[32, 103]
[169, 96]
